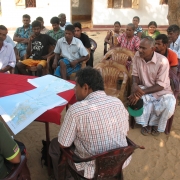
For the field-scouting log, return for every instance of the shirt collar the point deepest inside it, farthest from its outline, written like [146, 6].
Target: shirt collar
[95, 94]
[72, 42]
[154, 59]
[177, 40]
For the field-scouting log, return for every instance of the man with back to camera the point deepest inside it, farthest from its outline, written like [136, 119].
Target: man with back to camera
[95, 124]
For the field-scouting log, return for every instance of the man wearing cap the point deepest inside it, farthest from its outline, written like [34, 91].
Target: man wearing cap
[151, 83]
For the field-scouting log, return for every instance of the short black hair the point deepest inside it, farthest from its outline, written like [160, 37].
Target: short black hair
[78, 25]
[132, 25]
[55, 20]
[36, 24]
[69, 27]
[173, 28]
[26, 16]
[136, 18]
[117, 22]
[162, 37]
[2, 27]
[152, 23]
[91, 77]
[40, 19]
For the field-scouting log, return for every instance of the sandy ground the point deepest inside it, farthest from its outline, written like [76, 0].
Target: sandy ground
[159, 161]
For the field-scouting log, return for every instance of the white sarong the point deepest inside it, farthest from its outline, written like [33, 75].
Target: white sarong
[156, 112]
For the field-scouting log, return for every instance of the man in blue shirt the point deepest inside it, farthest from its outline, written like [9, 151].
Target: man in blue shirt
[21, 36]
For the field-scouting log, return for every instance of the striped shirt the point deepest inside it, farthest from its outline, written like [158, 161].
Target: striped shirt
[96, 124]
[132, 44]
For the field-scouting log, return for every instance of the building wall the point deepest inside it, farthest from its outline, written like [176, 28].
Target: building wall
[81, 7]
[12, 15]
[149, 10]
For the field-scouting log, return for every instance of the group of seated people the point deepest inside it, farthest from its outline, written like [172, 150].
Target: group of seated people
[155, 57]
[98, 122]
[69, 47]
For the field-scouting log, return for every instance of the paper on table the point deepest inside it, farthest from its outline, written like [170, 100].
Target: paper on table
[19, 110]
[51, 83]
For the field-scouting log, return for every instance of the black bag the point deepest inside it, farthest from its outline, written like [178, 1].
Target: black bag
[44, 157]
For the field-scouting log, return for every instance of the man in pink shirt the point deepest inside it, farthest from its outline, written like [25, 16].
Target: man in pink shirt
[151, 83]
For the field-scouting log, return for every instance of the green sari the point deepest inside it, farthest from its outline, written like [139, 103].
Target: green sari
[145, 33]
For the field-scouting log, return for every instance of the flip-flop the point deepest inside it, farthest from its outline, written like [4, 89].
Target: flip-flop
[145, 131]
[155, 131]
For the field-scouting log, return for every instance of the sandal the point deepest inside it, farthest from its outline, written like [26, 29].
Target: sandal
[155, 131]
[146, 131]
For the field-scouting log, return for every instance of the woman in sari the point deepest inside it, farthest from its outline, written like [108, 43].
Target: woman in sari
[151, 30]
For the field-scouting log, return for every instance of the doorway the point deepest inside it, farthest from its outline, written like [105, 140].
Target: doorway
[81, 11]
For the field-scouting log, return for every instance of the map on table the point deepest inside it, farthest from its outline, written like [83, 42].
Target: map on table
[19, 110]
[52, 83]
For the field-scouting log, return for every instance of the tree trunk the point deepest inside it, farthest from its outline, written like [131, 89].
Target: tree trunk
[174, 12]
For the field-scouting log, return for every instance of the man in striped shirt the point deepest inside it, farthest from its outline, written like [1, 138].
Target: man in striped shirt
[95, 124]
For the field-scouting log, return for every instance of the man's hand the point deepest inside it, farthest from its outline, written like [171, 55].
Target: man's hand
[73, 63]
[44, 57]
[32, 37]
[133, 98]
[26, 41]
[137, 90]
[54, 65]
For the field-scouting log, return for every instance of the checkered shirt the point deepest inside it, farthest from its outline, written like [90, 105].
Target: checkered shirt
[132, 45]
[96, 124]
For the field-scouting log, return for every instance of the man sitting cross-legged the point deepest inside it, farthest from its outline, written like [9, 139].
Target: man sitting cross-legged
[7, 55]
[95, 124]
[151, 82]
[161, 46]
[37, 50]
[72, 54]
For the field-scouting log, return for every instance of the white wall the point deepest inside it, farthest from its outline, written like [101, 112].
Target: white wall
[149, 10]
[12, 15]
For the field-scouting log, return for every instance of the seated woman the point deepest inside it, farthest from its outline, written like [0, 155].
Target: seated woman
[111, 37]
[151, 30]
[128, 40]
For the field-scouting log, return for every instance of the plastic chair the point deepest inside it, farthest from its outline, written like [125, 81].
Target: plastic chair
[20, 171]
[108, 164]
[115, 78]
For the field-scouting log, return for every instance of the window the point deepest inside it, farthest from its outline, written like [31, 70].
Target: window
[123, 4]
[30, 3]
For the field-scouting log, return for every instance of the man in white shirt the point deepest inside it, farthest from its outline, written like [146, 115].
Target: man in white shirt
[72, 53]
[63, 23]
[7, 55]
[174, 39]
